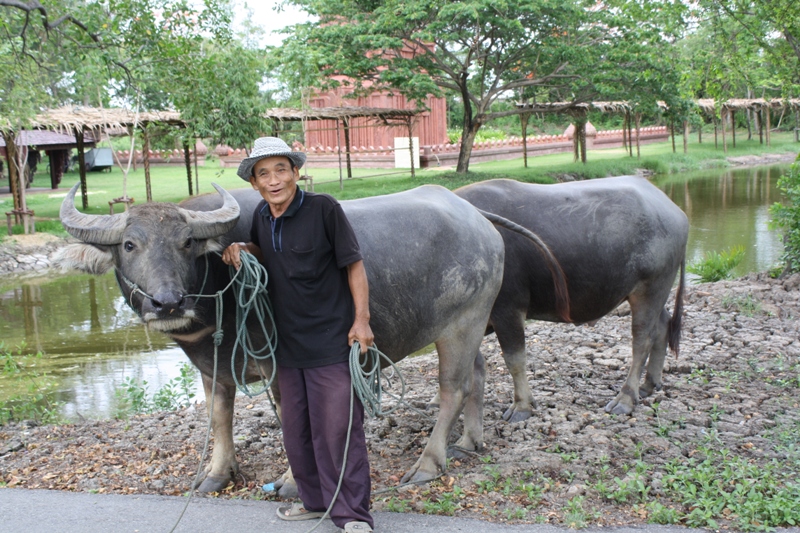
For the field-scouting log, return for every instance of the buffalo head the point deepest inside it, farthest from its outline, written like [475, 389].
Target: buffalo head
[155, 248]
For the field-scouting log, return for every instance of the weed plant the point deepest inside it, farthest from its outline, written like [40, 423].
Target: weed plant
[717, 266]
[178, 392]
[35, 401]
[786, 216]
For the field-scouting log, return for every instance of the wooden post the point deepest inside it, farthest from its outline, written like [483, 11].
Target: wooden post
[55, 161]
[733, 127]
[523, 119]
[411, 145]
[346, 128]
[196, 172]
[146, 163]
[188, 161]
[749, 124]
[625, 120]
[82, 167]
[769, 127]
[700, 130]
[797, 125]
[760, 115]
[630, 137]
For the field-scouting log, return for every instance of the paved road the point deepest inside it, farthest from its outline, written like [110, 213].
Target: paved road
[44, 511]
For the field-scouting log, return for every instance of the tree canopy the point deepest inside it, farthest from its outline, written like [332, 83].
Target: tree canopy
[480, 50]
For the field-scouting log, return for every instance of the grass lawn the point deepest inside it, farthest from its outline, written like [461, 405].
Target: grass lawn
[169, 183]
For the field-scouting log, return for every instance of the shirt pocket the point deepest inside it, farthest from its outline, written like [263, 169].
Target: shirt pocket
[303, 264]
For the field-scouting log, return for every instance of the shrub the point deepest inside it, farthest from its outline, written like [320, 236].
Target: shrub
[717, 266]
[787, 218]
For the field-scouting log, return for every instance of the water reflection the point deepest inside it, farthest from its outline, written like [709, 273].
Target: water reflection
[728, 208]
[90, 340]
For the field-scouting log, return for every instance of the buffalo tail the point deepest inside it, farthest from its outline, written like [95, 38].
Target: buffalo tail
[674, 328]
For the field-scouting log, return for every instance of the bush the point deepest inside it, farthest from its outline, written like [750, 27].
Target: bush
[787, 218]
[35, 399]
[717, 266]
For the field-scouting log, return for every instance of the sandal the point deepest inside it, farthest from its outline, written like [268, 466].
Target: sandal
[297, 512]
[357, 527]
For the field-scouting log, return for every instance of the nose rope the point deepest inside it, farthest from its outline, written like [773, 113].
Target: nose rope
[249, 283]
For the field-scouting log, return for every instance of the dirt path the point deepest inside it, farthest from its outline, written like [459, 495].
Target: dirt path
[729, 404]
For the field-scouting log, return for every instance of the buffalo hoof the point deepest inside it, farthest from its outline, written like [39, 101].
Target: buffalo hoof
[647, 389]
[418, 477]
[213, 484]
[457, 452]
[287, 489]
[616, 407]
[514, 414]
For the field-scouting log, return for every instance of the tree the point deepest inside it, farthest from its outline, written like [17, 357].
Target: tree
[481, 50]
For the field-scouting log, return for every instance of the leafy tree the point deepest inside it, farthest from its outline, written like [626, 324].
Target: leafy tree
[481, 50]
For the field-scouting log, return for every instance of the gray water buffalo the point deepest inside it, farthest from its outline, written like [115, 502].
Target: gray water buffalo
[616, 239]
[434, 266]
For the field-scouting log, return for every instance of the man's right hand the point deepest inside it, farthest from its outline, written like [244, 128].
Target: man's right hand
[231, 254]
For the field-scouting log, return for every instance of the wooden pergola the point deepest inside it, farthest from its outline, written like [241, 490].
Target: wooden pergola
[578, 110]
[763, 108]
[343, 115]
[77, 120]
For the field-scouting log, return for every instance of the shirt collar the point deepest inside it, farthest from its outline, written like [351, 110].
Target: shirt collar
[294, 207]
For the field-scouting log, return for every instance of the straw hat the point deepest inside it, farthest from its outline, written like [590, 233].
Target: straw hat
[268, 147]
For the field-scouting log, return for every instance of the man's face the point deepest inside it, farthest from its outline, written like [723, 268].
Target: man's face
[275, 179]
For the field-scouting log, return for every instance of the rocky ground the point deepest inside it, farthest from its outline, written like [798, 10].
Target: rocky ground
[729, 405]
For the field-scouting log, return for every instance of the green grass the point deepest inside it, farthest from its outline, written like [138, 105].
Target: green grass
[169, 183]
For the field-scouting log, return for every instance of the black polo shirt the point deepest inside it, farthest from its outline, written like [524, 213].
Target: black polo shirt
[305, 253]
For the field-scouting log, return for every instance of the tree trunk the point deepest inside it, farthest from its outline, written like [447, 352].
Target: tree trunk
[146, 164]
[188, 161]
[467, 141]
[410, 147]
[583, 141]
[685, 136]
[576, 142]
[768, 127]
[13, 175]
[760, 117]
[523, 119]
[724, 127]
[672, 133]
[625, 120]
[638, 128]
[733, 127]
[82, 168]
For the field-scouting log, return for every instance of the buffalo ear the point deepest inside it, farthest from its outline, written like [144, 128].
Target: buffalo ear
[89, 258]
[209, 245]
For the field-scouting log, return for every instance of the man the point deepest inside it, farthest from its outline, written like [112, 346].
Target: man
[318, 287]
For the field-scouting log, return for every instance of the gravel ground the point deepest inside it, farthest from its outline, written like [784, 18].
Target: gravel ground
[731, 397]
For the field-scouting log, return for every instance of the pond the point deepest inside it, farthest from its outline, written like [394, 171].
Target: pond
[92, 342]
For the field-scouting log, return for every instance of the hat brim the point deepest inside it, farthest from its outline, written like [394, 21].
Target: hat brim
[246, 166]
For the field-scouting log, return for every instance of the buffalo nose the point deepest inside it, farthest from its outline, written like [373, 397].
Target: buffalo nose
[167, 302]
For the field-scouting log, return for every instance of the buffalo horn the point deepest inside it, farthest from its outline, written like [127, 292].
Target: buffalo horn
[93, 229]
[210, 224]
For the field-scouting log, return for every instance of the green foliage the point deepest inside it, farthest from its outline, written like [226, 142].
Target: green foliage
[446, 503]
[717, 266]
[397, 505]
[756, 497]
[36, 402]
[786, 216]
[176, 394]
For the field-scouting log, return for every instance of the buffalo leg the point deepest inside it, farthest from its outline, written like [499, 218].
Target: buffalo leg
[645, 324]
[457, 352]
[472, 438]
[223, 464]
[655, 363]
[511, 336]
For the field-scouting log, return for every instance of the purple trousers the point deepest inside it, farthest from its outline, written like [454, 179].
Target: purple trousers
[315, 413]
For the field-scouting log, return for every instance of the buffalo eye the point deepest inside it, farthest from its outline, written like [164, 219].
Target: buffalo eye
[129, 246]
[188, 243]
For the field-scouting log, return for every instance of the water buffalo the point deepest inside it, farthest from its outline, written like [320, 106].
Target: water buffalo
[616, 239]
[434, 266]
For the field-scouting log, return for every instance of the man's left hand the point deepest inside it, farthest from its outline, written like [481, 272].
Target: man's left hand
[362, 333]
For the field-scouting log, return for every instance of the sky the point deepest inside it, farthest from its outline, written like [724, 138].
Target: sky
[264, 15]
